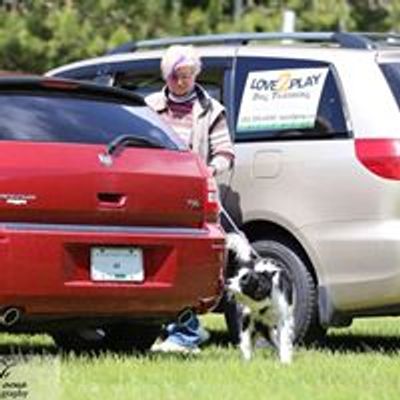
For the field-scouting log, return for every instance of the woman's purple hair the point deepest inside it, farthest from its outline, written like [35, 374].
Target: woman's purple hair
[179, 56]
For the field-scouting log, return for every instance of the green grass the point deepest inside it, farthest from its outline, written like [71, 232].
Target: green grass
[361, 362]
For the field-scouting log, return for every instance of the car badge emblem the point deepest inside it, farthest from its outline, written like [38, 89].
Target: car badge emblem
[193, 204]
[105, 159]
[17, 199]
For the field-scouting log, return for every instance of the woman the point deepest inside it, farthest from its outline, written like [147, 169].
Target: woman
[201, 123]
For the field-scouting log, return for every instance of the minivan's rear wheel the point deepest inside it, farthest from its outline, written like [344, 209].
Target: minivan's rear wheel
[116, 337]
[307, 328]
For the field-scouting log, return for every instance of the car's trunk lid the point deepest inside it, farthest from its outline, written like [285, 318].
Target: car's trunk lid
[69, 184]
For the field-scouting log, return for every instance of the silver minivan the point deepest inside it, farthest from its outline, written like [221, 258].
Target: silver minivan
[316, 184]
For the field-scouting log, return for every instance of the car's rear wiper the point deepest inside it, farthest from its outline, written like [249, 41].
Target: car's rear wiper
[132, 140]
[122, 141]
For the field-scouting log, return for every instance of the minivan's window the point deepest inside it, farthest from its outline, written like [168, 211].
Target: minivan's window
[392, 74]
[58, 118]
[141, 82]
[278, 98]
[145, 82]
[281, 99]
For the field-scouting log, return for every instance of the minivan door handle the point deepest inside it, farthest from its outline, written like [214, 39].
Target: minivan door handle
[111, 200]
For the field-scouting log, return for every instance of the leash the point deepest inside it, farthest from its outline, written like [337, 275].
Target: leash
[238, 231]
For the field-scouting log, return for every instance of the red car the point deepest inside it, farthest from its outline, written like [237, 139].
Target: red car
[108, 224]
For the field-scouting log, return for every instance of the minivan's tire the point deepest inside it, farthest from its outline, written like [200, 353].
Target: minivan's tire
[116, 337]
[307, 329]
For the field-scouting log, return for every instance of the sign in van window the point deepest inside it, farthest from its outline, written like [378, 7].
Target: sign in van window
[281, 99]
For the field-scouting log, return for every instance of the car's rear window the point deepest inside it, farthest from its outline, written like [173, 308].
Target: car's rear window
[77, 119]
[391, 72]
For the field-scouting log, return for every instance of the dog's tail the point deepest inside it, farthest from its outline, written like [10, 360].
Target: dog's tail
[239, 245]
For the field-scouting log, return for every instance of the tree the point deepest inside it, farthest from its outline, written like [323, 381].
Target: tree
[36, 35]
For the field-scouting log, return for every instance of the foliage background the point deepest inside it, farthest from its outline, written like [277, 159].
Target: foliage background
[36, 35]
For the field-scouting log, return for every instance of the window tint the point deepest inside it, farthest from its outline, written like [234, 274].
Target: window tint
[325, 118]
[392, 75]
[58, 118]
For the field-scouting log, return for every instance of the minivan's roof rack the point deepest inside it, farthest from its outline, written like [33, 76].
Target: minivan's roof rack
[350, 40]
[382, 39]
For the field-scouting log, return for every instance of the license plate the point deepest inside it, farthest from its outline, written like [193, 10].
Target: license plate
[116, 264]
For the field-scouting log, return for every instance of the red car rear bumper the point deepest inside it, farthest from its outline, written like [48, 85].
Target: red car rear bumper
[46, 270]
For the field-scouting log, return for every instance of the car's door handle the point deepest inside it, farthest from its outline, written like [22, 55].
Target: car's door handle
[111, 200]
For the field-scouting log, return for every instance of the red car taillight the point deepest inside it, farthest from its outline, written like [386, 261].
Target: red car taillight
[380, 156]
[212, 202]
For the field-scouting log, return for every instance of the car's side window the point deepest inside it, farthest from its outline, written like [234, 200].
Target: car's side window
[287, 99]
[145, 78]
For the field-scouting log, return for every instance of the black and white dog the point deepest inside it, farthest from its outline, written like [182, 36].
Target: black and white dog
[266, 295]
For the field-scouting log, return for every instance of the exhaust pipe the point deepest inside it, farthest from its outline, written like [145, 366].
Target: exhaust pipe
[10, 316]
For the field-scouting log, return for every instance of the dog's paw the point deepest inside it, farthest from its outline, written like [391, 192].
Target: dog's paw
[246, 350]
[286, 358]
[246, 356]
